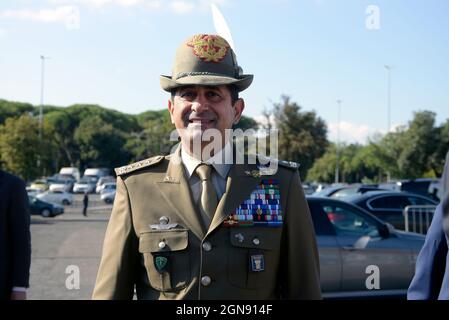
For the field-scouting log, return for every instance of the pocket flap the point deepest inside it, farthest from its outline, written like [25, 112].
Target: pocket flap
[175, 240]
[256, 237]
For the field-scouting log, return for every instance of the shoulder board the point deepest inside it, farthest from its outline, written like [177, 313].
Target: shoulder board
[289, 164]
[138, 165]
[286, 164]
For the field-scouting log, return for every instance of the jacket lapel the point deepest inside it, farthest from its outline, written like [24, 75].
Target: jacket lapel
[240, 184]
[175, 190]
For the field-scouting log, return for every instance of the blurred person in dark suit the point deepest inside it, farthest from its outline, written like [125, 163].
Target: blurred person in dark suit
[431, 280]
[85, 203]
[15, 239]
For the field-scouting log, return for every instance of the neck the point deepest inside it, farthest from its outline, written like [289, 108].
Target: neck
[207, 150]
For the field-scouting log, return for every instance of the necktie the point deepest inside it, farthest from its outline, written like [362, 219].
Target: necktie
[208, 201]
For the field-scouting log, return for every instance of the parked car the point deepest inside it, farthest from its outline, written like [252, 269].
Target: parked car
[341, 191]
[62, 185]
[96, 172]
[102, 181]
[108, 197]
[108, 187]
[71, 171]
[33, 191]
[43, 208]
[86, 184]
[389, 205]
[328, 191]
[351, 240]
[353, 190]
[427, 187]
[39, 184]
[61, 197]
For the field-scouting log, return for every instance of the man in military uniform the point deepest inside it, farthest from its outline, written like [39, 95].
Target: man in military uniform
[188, 226]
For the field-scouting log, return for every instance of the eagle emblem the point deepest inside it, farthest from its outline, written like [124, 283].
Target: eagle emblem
[209, 48]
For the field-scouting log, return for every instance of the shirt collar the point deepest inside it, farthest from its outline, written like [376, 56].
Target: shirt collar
[217, 161]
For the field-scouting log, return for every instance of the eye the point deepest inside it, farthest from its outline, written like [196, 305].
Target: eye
[213, 96]
[187, 95]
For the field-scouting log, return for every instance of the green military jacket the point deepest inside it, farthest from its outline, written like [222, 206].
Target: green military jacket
[179, 258]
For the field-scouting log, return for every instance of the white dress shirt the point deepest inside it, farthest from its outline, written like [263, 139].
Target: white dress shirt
[218, 175]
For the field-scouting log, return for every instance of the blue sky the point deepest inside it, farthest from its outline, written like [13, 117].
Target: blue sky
[316, 51]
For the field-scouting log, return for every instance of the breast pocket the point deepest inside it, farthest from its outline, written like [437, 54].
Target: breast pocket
[253, 257]
[166, 258]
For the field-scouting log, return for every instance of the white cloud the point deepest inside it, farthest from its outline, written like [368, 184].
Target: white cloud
[3, 33]
[96, 4]
[154, 4]
[88, 3]
[182, 7]
[352, 132]
[128, 3]
[60, 14]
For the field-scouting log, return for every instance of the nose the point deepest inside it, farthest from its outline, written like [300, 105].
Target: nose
[200, 104]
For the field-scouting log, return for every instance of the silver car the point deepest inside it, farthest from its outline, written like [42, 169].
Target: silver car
[354, 246]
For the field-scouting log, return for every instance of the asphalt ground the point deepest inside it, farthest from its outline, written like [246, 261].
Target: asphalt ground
[66, 251]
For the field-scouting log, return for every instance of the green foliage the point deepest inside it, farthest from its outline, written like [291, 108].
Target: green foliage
[154, 136]
[302, 134]
[10, 109]
[21, 150]
[246, 123]
[90, 135]
[415, 151]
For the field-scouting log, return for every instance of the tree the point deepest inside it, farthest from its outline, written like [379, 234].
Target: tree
[323, 169]
[419, 143]
[10, 109]
[63, 126]
[302, 134]
[21, 148]
[100, 144]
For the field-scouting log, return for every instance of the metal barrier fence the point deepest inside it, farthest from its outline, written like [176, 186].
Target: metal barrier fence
[419, 217]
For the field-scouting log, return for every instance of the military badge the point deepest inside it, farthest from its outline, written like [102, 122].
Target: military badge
[257, 262]
[209, 48]
[262, 208]
[253, 173]
[161, 263]
[163, 224]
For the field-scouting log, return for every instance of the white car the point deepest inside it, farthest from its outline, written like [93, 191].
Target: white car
[108, 187]
[102, 181]
[108, 197]
[61, 185]
[86, 184]
[32, 192]
[56, 197]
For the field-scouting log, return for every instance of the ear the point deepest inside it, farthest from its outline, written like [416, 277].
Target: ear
[171, 107]
[239, 105]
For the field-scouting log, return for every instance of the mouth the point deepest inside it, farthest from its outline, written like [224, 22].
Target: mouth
[201, 121]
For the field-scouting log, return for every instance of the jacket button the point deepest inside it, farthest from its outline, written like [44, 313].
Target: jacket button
[207, 246]
[206, 280]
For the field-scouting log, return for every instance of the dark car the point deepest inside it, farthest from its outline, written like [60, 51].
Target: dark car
[352, 243]
[346, 190]
[45, 209]
[389, 205]
[328, 191]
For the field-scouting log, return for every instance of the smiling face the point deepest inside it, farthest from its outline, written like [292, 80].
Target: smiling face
[195, 109]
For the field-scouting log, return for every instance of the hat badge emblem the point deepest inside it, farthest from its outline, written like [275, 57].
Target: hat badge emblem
[209, 48]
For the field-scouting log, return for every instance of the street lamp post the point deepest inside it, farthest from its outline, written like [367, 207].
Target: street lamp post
[43, 58]
[337, 166]
[388, 96]
[41, 116]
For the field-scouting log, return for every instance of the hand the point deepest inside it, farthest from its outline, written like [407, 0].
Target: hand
[18, 295]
